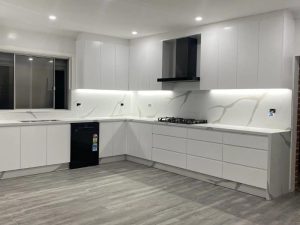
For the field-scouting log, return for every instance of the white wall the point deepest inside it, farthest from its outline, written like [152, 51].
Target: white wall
[297, 40]
[19, 40]
[37, 43]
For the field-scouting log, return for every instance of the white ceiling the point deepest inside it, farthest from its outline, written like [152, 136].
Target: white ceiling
[120, 17]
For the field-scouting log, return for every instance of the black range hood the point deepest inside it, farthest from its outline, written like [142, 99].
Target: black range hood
[180, 60]
[171, 79]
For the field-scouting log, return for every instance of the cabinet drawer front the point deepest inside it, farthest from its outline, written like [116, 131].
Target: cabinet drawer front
[170, 131]
[205, 166]
[169, 158]
[205, 135]
[169, 143]
[245, 140]
[245, 156]
[204, 149]
[245, 175]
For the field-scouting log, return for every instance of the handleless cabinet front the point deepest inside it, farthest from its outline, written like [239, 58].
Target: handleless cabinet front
[10, 148]
[58, 144]
[33, 146]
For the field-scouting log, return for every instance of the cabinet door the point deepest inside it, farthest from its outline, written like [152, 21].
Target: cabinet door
[133, 139]
[227, 56]
[10, 148]
[136, 60]
[58, 144]
[106, 140]
[247, 67]
[119, 138]
[88, 64]
[145, 141]
[154, 64]
[33, 146]
[270, 52]
[209, 59]
[108, 57]
[122, 66]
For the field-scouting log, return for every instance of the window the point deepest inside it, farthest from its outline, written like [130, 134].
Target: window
[31, 82]
[6, 81]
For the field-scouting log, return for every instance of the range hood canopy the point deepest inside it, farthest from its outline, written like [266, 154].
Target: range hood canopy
[180, 59]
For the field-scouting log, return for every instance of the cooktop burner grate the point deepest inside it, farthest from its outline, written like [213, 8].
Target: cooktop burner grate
[180, 120]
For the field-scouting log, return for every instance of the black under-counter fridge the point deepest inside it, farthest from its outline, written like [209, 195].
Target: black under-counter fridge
[84, 145]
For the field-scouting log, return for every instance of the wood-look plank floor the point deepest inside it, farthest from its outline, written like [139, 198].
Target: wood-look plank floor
[128, 193]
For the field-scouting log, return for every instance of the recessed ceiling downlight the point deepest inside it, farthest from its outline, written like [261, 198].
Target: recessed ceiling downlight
[134, 32]
[198, 18]
[52, 17]
[30, 59]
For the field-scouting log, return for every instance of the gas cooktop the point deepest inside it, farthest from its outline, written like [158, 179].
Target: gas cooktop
[180, 120]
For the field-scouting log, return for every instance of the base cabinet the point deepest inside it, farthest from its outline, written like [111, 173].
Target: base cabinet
[139, 140]
[44, 145]
[169, 157]
[33, 146]
[10, 148]
[246, 175]
[112, 139]
[58, 144]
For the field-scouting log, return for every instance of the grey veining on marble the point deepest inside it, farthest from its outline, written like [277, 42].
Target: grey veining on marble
[225, 108]
[239, 109]
[126, 193]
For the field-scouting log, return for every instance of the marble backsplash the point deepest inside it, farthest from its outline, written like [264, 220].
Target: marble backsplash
[234, 107]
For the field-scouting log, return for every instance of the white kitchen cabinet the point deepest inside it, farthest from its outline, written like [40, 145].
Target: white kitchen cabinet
[105, 140]
[246, 175]
[145, 64]
[246, 140]
[254, 52]
[169, 143]
[102, 65]
[245, 156]
[139, 140]
[122, 67]
[205, 166]
[33, 146]
[205, 135]
[205, 149]
[10, 148]
[119, 138]
[88, 64]
[248, 47]
[170, 131]
[58, 144]
[270, 52]
[154, 65]
[209, 66]
[227, 71]
[108, 68]
[112, 139]
[170, 158]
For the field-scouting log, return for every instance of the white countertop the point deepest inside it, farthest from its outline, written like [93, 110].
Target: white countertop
[209, 126]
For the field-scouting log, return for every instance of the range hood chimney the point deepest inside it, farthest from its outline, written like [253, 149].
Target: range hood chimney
[180, 60]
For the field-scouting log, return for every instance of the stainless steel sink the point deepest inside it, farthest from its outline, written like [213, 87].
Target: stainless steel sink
[37, 121]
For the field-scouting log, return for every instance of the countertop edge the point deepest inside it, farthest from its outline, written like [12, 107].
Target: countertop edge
[230, 128]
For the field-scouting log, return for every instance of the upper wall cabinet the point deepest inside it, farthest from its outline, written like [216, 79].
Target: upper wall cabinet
[145, 64]
[102, 65]
[254, 52]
